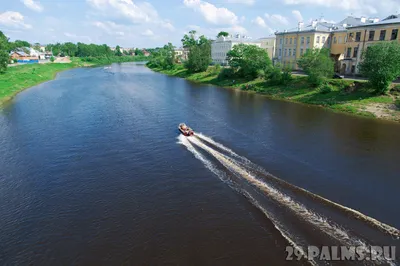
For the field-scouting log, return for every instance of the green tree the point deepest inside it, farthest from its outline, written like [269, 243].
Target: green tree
[199, 57]
[69, 48]
[223, 33]
[318, 65]
[52, 59]
[4, 55]
[189, 40]
[36, 46]
[247, 60]
[118, 51]
[381, 65]
[138, 52]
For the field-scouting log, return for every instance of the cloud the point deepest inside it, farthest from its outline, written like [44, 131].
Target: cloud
[277, 19]
[35, 6]
[259, 21]
[110, 27]
[367, 6]
[77, 37]
[211, 13]
[127, 10]
[147, 33]
[297, 15]
[245, 2]
[14, 20]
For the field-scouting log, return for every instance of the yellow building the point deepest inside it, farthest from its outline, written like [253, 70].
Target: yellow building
[362, 36]
[292, 44]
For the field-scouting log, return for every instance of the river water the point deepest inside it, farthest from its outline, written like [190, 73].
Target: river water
[94, 172]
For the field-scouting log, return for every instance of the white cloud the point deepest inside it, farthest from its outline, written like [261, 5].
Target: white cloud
[36, 6]
[367, 6]
[77, 37]
[14, 20]
[245, 2]
[110, 27]
[297, 15]
[277, 19]
[211, 13]
[147, 33]
[260, 22]
[140, 13]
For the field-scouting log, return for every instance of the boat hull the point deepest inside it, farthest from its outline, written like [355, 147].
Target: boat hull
[186, 131]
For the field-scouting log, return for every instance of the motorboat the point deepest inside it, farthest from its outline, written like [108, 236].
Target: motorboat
[185, 130]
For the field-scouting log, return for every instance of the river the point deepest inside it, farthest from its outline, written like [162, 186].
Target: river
[93, 171]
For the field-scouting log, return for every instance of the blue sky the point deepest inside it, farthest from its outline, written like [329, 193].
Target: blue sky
[133, 23]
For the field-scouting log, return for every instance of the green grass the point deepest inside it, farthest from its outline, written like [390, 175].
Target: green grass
[299, 90]
[18, 78]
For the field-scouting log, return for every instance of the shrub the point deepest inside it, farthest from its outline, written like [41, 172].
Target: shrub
[318, 65]
[325, 88]
[226, 73]
[52, 59]
[217, 68]
[261, 73]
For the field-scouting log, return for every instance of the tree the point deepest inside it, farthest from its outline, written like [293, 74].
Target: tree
[223, 33]
[318, 65]
[189, 40]
[138, 52]
[246, 60]
[69, 48]
[199, 57]
[163, 57]
[381, 65]
[4, 56]
[36, 46]
[118, 51]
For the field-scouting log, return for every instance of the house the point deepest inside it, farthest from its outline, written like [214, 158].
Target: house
[292, 44]
[360, 37]
[22, 57]
[182, 54]
[222, 45]
[145, 53]
[268, 43]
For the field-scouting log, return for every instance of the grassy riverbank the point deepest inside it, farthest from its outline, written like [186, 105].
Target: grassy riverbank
[355, 97]
[22, 77]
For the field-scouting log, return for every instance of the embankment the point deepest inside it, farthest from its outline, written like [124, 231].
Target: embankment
[347, 96]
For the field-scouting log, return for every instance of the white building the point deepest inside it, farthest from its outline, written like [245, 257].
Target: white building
[222, 45]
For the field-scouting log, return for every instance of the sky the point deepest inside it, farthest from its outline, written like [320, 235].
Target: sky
[152, 23]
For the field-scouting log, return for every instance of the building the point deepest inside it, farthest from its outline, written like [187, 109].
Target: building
[22, 57]
[182, 54]
[292, 44]
[361, 36]
[145, 52]
[268, 43]
[222, 45]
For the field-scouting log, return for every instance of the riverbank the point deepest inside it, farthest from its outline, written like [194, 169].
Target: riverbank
[348, 96]
[19, 78]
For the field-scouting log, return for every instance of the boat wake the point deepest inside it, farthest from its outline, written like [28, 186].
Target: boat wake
[302, 218]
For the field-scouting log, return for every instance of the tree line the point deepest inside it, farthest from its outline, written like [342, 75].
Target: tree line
[380, 63]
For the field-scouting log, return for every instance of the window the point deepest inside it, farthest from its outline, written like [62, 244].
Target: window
[348, 52]
[301, 52]
[287, 40]
[294, 52]
[290, 41]
[340, 39]
[329, 40]
[358, 36]
[394, 34]
[290, 52]
[383, 35]
[285, 52]
[295, 40]
[355, 52]
[317, 39]
[334, 40]
[323, 39]
[371, 35]
[308, 40]
[302, 40]
[280, 41]
[280, 52]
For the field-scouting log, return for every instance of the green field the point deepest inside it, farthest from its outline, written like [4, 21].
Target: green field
[361, 101]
